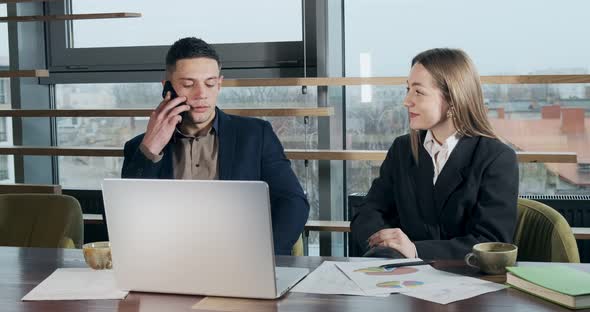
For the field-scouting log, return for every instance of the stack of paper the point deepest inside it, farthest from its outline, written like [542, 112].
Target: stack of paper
[367, 278]
[328, 279]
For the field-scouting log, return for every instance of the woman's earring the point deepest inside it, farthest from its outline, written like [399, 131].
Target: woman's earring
[450, 113]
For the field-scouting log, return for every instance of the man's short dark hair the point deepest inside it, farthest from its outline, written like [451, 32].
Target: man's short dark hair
[189, 47]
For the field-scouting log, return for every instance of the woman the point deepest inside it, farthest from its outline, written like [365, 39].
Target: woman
[448, 184]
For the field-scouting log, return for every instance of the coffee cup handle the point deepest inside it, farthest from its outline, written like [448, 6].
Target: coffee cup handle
[471, 260]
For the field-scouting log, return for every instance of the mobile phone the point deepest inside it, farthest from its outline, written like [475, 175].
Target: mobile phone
[168, 88]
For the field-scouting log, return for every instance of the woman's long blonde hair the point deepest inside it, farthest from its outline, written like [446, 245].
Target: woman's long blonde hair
[456, 77]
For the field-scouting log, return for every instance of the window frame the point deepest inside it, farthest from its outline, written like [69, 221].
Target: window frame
[271, 57]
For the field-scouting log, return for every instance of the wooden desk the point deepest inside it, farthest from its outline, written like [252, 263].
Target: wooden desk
[21, 269]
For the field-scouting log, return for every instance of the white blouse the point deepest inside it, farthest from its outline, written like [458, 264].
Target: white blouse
[439, 153]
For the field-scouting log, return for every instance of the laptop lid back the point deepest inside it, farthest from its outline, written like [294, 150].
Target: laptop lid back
[191, 237]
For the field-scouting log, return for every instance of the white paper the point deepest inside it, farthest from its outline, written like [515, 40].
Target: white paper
[374, 280]
[459, 289]
[328, 279]
[77, 284]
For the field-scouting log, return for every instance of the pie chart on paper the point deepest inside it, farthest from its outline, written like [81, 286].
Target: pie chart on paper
[383, 271]
[399, 284]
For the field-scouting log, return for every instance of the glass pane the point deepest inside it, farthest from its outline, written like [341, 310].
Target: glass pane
[502, 37]
[545, 118]
[6, 161]
[87, 172]
[162, 23]
[530, 118]
[3, 39]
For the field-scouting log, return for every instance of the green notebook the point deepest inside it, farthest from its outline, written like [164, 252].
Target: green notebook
[557, 283]
[560, 278]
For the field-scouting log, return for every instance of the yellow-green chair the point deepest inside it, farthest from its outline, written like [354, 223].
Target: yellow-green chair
[542, 234]
[40, 220]
[298, 247]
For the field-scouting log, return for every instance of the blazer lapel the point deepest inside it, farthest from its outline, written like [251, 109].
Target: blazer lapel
[167, 170]
[227, 138]
[421, 176]
[452, 174]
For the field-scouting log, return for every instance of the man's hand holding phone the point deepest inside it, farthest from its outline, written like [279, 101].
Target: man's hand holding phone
[163, 121]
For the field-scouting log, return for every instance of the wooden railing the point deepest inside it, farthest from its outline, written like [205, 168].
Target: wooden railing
[344, 227]
[337, 226]
[260, 112]
[534, 157]
[387, 81]
[24, 73]
[64, 17]
[30, 188]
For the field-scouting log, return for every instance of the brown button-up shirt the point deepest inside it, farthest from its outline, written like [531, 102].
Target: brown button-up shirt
[195, 158]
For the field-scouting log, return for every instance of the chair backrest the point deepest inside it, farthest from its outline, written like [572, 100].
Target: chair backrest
[40, 220]
[297, 249]
[542, 234]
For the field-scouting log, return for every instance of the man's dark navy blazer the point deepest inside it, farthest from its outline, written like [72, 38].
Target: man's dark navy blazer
[248, 150]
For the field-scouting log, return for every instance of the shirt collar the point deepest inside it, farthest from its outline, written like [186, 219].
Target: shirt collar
[214, 129]
[450, 142]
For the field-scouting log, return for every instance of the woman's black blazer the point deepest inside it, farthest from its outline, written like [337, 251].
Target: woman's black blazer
[473, 200]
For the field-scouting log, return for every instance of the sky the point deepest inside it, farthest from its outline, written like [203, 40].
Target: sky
[503, 37]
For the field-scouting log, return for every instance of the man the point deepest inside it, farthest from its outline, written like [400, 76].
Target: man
[188, 137]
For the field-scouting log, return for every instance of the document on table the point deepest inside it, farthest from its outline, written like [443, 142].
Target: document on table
[459, 288]
[77, 284]
[421, 281]
[328, 279]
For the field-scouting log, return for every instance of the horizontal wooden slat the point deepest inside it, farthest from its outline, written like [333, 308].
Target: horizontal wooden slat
[30, 188]
[581, 232]
[62, 151]
[327, 226]
[335, 155]
[535, 79]
[355, 81]
[545, 157]
[384, 81]
[90, 218]
[282, 112]
[37, 18]
[34, 73]
[21, 1]
[260, 112]
[335, 226]
[316, 81]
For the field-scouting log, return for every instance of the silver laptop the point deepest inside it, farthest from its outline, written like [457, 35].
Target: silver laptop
[209, 238]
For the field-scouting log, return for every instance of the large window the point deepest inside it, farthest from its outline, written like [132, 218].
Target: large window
[88, 172]
[6, 161]
[252, 34]
[503, 38]
[3, 38]
[163, 22]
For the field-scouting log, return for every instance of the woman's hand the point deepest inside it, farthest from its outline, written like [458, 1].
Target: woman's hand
[394, 238]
